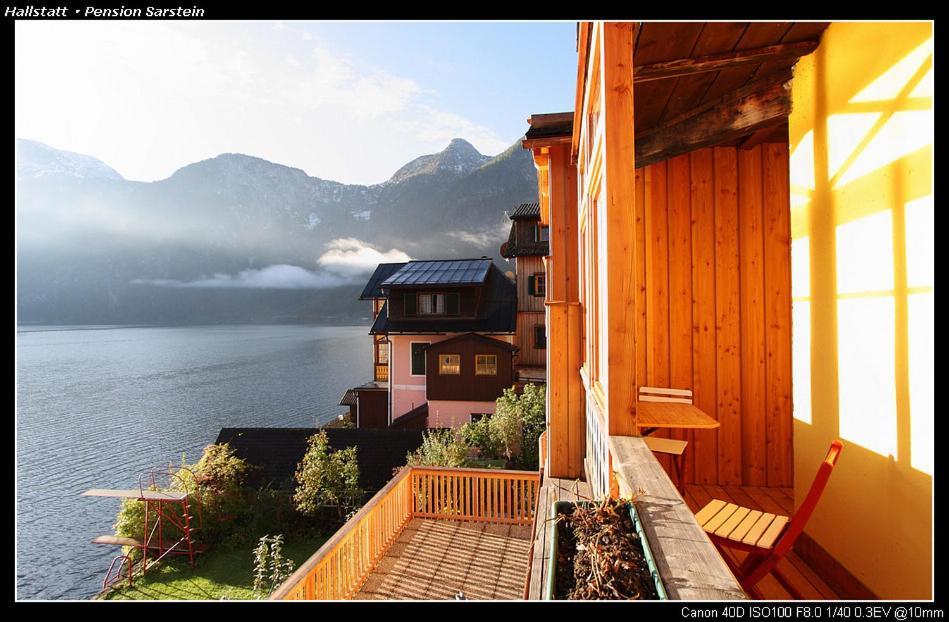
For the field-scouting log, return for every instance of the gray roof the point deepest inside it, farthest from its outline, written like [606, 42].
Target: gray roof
[441, 272]
[373, 287]
[526, 210]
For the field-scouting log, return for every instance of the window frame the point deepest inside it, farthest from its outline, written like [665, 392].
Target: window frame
[538, 284]
[478, 365]
[441, 364]
[543, 331]
[412, 357]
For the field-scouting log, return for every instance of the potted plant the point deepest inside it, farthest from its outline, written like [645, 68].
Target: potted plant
[599, 552]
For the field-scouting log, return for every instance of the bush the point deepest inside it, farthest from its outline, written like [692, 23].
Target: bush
[215, 484]
[271, 568]
[326, 477]
[477, 434]
[439, 448]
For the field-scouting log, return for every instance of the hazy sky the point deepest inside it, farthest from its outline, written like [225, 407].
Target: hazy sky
[342, 100]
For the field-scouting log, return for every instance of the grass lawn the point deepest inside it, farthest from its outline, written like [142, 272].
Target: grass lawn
[218, 574]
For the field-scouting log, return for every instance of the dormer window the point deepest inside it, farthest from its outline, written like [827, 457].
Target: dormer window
[437, 304]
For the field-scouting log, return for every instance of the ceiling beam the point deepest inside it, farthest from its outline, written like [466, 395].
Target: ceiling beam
[715, 62]
[727, 121]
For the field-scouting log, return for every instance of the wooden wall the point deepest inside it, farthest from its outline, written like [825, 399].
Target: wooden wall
[530, 311]
[467, 386]
[714, 304]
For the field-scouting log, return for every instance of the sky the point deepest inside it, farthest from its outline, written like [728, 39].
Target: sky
[346, 101]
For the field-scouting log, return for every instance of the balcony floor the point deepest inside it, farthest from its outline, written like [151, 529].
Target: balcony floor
[777, 501]
[437, 559]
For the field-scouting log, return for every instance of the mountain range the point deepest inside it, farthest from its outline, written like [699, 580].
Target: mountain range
[238, 239]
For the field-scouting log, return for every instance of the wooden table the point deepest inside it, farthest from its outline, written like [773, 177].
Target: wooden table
[654, 415]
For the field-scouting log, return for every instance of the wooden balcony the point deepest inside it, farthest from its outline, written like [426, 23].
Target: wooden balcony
[382, 373]
[459, 530]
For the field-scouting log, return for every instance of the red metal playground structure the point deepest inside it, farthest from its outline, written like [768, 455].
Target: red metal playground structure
[168, 521]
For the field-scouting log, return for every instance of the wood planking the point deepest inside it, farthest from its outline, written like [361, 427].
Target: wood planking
[727, 329]
[702, 190]
[528, 355]
[680, 288]
[527, 266]
[703, 325]
[757, 35]
[689, 90]
[657, 292]
[658, 42]
[751, 252]
[777, 284]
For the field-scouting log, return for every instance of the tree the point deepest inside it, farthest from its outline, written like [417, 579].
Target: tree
[439, 448]
[517, 423]
[326, 477]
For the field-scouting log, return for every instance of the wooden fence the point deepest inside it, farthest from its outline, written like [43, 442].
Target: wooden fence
[340, 567]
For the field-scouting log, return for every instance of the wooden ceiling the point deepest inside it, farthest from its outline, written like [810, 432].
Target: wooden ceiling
[699, 84]
[685, 69]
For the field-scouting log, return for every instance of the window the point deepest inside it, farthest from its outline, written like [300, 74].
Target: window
[431, 304]
[418, 358]
[486, 365]
[541, 233]
[449, 364]
[438, 304]
[537, 284]
[478, 416]
[540, 337]
[382, 352]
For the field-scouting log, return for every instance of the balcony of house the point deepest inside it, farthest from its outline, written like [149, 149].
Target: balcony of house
[430, 534]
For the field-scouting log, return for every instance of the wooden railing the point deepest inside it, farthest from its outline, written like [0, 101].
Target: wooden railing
[382, 373]
[340, 567]
[482, 495]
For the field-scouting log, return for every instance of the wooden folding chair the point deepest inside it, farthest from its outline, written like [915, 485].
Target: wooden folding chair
[670, 446]
[764, 536]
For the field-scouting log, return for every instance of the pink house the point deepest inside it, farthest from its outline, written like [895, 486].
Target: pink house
[443, 343]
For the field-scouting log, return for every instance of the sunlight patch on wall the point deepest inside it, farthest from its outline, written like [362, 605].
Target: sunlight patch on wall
[921, 385]
[865, 342]
[889, 84]
[865, 254]
[844, 133]
[902, 134]
[801, 174]
[920, 257]
[801, 359]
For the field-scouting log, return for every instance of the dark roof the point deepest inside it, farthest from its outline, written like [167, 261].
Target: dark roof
[551, 125]
[497, 343]
[383, 271]
[498, 313]
[441, 272]
[278, 451]
[349, 398]
[526, 211]
[415, 419]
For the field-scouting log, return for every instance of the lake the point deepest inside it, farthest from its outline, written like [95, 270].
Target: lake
[97, 406]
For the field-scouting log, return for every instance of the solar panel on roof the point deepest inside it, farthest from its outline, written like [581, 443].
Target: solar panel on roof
[441, 272]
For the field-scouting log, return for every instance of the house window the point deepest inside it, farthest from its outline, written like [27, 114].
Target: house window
[418, 358]
[541, 233]
[478, 416]
[540, 337]
[439, 304]
[486, 365]
[449, 364]
[537, 284]
[382, 352]
[431, 304]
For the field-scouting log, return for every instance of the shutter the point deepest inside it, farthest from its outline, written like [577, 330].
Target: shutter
[530, 285]
[410, 304]
[452, 303]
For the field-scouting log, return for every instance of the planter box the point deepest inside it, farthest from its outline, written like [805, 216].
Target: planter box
[563, 507]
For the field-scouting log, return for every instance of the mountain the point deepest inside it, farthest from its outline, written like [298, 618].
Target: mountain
[200, 246]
